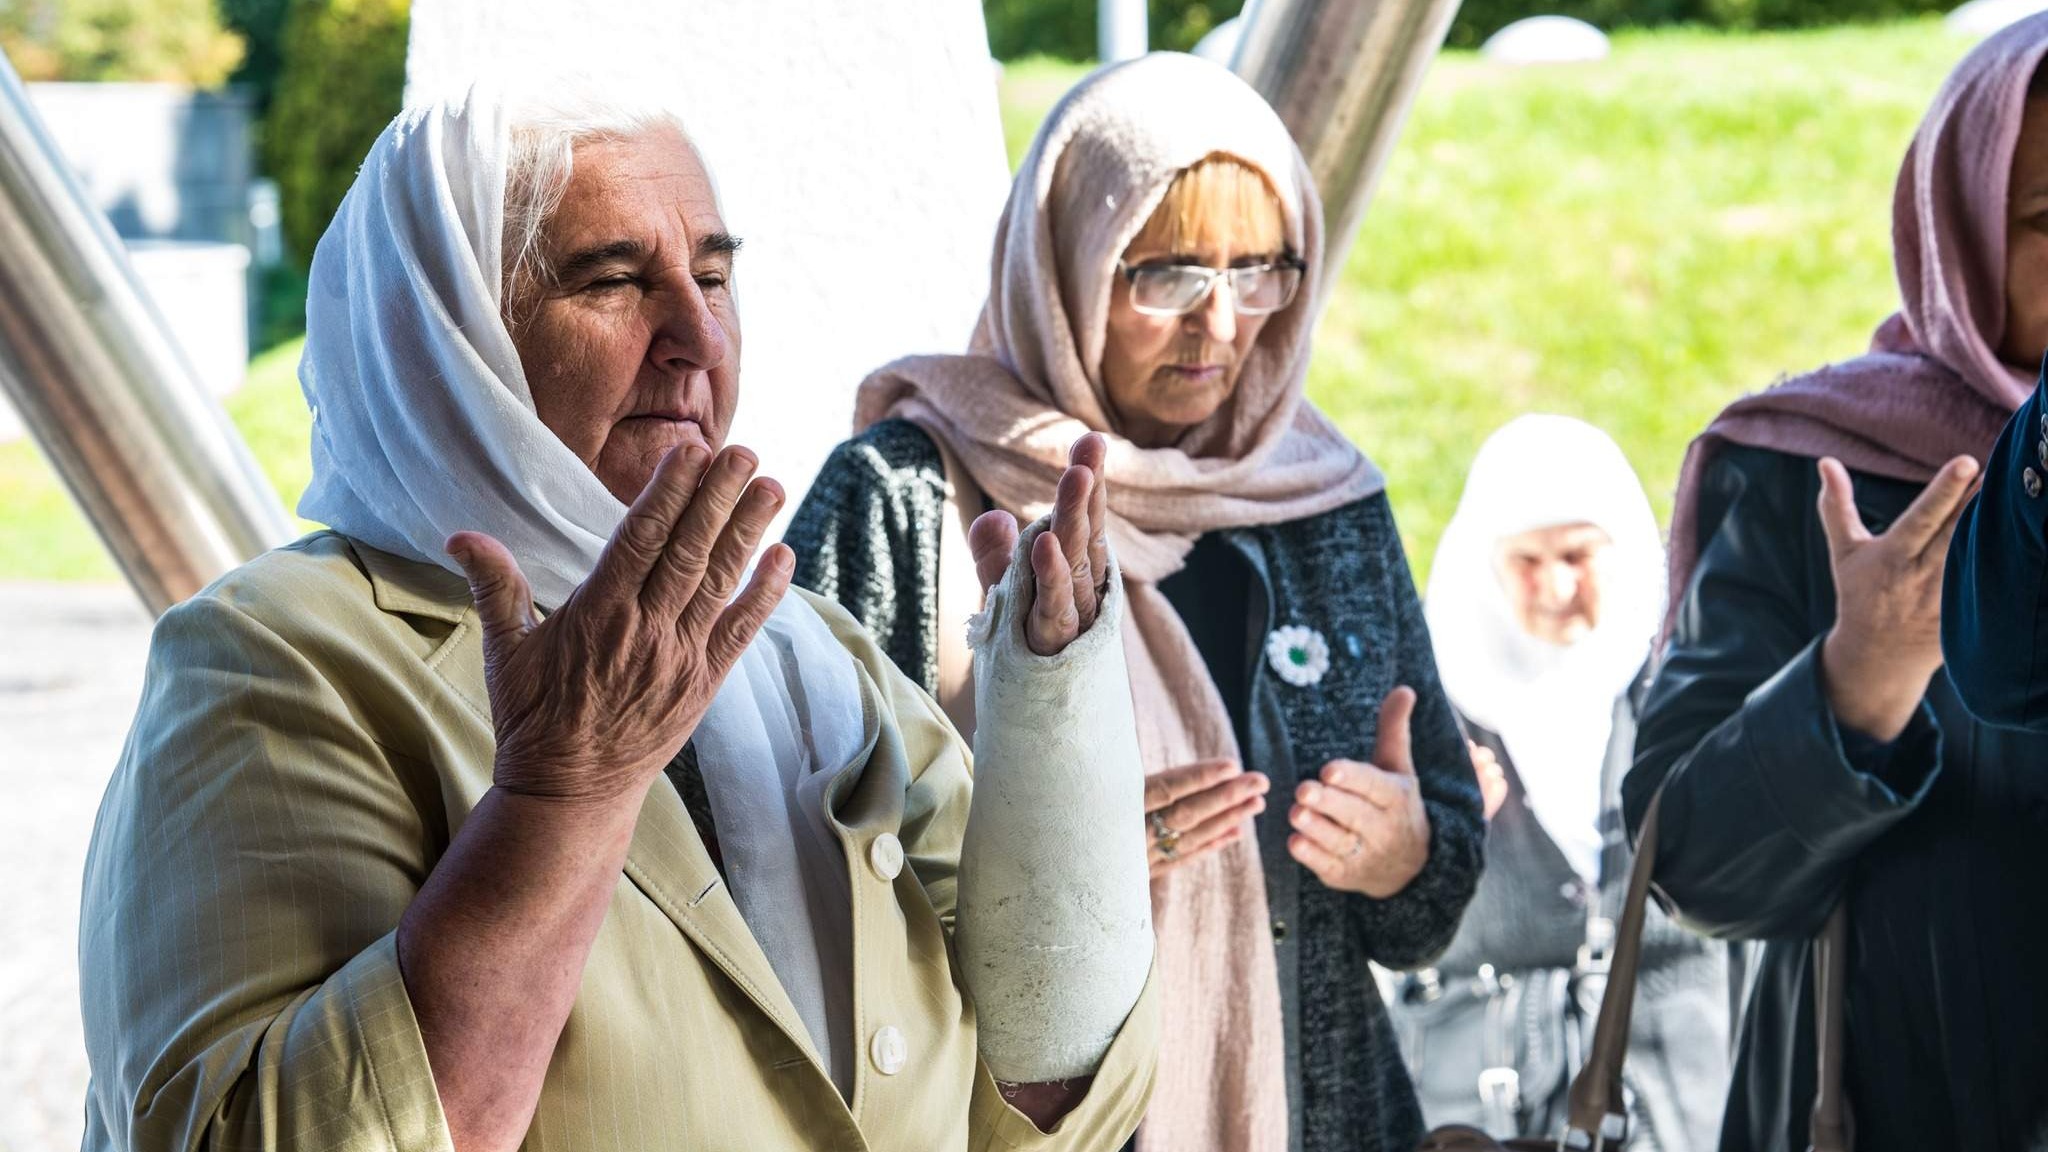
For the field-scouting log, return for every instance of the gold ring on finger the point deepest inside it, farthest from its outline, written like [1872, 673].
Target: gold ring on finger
[1168, 839]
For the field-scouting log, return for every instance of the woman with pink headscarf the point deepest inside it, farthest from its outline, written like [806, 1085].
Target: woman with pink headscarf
[1811, 749]
[1310, 805]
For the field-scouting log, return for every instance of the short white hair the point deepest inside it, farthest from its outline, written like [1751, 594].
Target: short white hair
[546, 125]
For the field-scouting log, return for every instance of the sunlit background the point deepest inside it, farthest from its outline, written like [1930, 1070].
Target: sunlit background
[1634, 240]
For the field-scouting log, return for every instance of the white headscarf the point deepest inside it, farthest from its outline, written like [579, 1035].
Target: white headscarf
[1551, 705]
[424, 425]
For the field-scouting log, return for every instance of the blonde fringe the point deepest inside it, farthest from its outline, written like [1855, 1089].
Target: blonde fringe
[1218, 202]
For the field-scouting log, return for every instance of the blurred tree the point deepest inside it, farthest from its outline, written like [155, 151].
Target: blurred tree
[1062, 28]
[172, 41]
[1066, 28]
[260, 24]
[1180, 24]
[341, 79]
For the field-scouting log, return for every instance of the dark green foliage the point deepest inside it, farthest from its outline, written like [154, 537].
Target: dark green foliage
[1066, 28]
[1180, 24]
[260, 23]
[1807, 13]
[1062, 28]
[280, 306]
[1478, 19]
[341, 80]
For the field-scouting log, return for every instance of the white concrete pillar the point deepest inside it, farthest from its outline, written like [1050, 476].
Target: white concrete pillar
[1121, 32]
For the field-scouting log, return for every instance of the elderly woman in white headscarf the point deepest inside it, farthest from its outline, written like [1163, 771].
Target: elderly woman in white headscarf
[606, 845]
[1154, 283]
[1544, 600]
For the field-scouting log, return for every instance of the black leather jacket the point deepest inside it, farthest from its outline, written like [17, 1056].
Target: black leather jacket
[1937, 842]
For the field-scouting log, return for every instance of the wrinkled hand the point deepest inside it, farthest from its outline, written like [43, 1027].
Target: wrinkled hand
[594, 702]
[1196, 809]
[1886, 639]
[1362, 827]
[1493, 779]
[1070, 562]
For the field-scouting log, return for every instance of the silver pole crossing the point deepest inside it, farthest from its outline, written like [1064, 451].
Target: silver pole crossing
[104, 389]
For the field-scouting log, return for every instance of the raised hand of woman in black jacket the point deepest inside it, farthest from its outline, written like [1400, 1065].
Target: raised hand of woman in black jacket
[1886, 641]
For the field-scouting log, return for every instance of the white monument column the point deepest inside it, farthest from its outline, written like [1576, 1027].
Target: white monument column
[1120, 30]
[859, 155]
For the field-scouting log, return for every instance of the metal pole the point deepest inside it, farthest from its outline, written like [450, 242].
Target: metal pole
[104, 388]
[1120, 30]
[1342, 74]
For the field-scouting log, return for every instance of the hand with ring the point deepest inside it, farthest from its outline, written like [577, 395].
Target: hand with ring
[1198, 808]
[1362, 827]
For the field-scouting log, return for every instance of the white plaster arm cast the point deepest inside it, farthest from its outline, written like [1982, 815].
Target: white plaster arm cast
[1054, 923]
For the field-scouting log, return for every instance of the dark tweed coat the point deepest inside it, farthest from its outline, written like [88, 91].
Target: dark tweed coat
[868, 535]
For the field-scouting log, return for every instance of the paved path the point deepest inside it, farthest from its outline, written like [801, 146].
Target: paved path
[71, 662]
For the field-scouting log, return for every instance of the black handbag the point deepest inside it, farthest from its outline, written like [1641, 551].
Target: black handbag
[1497, 1048]
[1596, 1105]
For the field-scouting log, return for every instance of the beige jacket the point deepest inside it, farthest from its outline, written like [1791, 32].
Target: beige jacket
[312, 732]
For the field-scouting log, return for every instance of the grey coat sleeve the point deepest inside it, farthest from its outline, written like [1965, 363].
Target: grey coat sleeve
[867, 536]
[1414, 926]
[1764, 808]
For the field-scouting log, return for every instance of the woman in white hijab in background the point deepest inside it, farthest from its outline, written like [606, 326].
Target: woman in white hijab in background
[390, 861]
[1544, 601]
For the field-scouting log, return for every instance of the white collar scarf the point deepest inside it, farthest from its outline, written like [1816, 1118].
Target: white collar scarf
[1552, 706]
[424, 426]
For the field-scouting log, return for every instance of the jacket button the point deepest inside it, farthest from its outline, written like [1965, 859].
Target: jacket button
[2031, 481]
[2041, 450]
[1279, 931]
[885, 856]
[888, 1050]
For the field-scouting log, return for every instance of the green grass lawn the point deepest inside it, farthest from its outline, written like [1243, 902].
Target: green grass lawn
[1635, 242]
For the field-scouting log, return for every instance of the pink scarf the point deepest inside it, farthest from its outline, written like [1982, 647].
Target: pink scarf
[1932, 387]
[1030, 385]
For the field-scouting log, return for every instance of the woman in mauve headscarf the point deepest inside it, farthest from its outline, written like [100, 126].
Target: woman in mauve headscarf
[1154, 281]
[1811, 749]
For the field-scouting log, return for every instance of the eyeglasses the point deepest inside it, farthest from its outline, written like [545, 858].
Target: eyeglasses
[1178, 289]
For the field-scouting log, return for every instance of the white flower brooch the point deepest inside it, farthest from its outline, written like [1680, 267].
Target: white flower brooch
[1300, 655]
